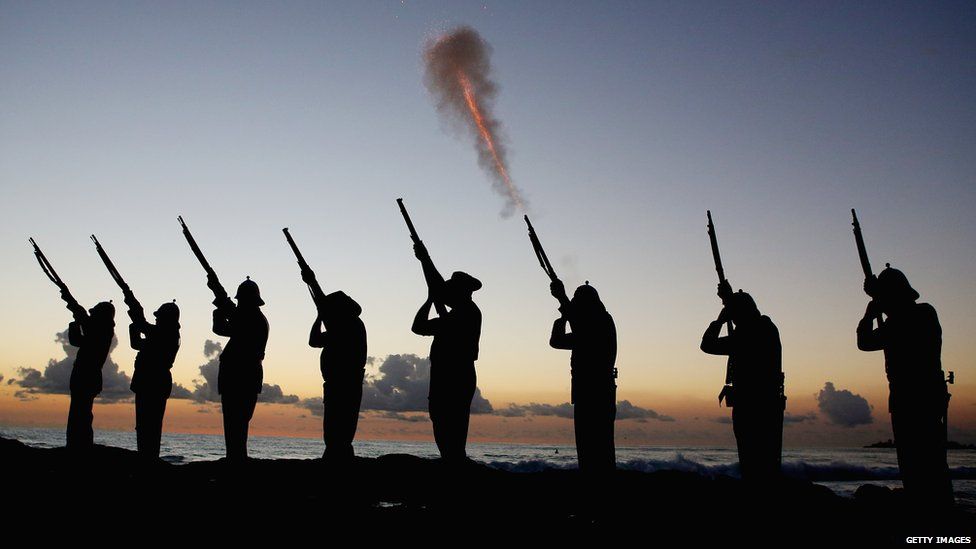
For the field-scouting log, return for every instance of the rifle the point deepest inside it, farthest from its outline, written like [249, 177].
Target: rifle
[313, 286]
[431, 275]
[862, 253]
[136, 312]
[77, 311]
[725, 295]
[220, 294]
[540, 253]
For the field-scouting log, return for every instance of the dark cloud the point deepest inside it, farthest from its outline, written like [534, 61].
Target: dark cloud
[313, 405]
[790, 418]
[413, 418]
[180, 391]
[723, 419]
[206, 391]
[625, 410]
[843, 407]
[55, 379]
[402, 385]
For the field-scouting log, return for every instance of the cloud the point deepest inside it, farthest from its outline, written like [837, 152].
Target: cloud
[414, 418]
[206, 391]
[843, 407]
[179, 391]
[625, 410]
[402, 386]
[723, 419]
[55, 379]
[790, 418]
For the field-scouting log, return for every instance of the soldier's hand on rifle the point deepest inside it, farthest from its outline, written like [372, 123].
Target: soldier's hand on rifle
[420, 251]
[308, 277]
[558, 290]
[724, 289]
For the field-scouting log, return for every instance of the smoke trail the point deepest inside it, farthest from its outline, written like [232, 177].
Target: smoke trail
[458, 76]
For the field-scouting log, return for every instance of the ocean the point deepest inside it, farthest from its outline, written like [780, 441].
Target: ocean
[842, 470]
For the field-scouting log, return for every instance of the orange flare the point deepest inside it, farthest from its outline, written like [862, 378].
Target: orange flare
[479, 121]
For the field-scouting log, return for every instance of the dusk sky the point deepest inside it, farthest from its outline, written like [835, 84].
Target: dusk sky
[624, 122]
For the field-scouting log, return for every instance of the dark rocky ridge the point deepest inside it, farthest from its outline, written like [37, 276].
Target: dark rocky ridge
[110, 494]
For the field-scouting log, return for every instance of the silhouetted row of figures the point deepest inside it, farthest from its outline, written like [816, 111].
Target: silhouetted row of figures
[894, 322]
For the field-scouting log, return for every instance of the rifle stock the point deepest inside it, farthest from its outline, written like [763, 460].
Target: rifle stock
[220, 294]
[77, 311]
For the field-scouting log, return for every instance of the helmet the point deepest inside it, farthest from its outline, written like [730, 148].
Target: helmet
[104, 309]
[168, 312]
[893, 284]
[743, 304]
[248, 292]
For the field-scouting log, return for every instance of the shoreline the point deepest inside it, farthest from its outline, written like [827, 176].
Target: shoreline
[397, 491]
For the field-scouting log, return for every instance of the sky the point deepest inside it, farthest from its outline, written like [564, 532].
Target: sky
[624, 122]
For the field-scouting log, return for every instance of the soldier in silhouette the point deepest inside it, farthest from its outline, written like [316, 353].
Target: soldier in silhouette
[456, 330]
[593, 342]
[343, 365]
[152, 382]
[240, 376]
[911, 337]
[758, 403]
[92, 332]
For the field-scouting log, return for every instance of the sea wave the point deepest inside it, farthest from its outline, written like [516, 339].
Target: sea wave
[803, 470]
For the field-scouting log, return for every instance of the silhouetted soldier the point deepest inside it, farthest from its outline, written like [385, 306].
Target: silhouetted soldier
[756, 390]
[911, 338]
[152, 382]
[240, 376]
[92, 333]
[593, 342]
[343, 365]
[453, 353]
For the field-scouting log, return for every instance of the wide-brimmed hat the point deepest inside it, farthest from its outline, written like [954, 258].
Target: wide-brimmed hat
[338, 303]
[463, 281]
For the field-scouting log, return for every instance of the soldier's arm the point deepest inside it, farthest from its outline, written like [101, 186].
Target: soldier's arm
[869, 338]
[136, 336]
[559, 339]
[613, 342]
[222, 323]
[712, 344]
[75, 336]
[422, 323]
[316, 337]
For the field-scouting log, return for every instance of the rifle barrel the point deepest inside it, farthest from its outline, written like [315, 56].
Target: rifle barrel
[406, 218]
[540, 252]
[716, 254]
[862, 251]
